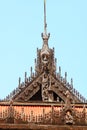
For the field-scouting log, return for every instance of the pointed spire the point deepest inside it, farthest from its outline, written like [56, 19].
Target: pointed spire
[45, 24]
[45, 36]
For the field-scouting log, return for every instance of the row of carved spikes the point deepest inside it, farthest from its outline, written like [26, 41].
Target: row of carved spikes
[37, 61]
[58, 75]
[27, 79]
[64, 80]
[70, 86]
[21, 85]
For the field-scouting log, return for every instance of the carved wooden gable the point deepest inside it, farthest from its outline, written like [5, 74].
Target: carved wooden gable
[46, 84]
[46, 87]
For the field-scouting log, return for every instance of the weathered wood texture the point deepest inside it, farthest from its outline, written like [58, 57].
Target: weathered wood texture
[40, 127]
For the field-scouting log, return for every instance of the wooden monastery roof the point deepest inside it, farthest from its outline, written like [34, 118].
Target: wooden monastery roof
[45, 98]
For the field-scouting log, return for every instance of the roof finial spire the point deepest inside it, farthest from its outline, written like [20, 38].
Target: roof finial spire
[45, 36]
[45, 24]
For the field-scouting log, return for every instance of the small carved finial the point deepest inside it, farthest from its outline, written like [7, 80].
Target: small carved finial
[25, 76]
[35, 62]
[19, 81]
[71, 82]
[31, 71]
[59, 71]
[29, 79]
[37, 50]
[66, 76]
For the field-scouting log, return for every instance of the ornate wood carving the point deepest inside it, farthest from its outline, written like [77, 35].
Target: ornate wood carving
[29, 90]
[57, 115]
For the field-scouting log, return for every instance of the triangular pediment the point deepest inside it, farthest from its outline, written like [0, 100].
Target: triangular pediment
[33, 90]
[29, 90]
[61, 89]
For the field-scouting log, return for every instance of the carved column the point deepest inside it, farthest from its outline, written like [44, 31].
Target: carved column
[47, 94]
[45, 86]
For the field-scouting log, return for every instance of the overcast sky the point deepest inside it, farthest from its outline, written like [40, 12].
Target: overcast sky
[21, 25]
